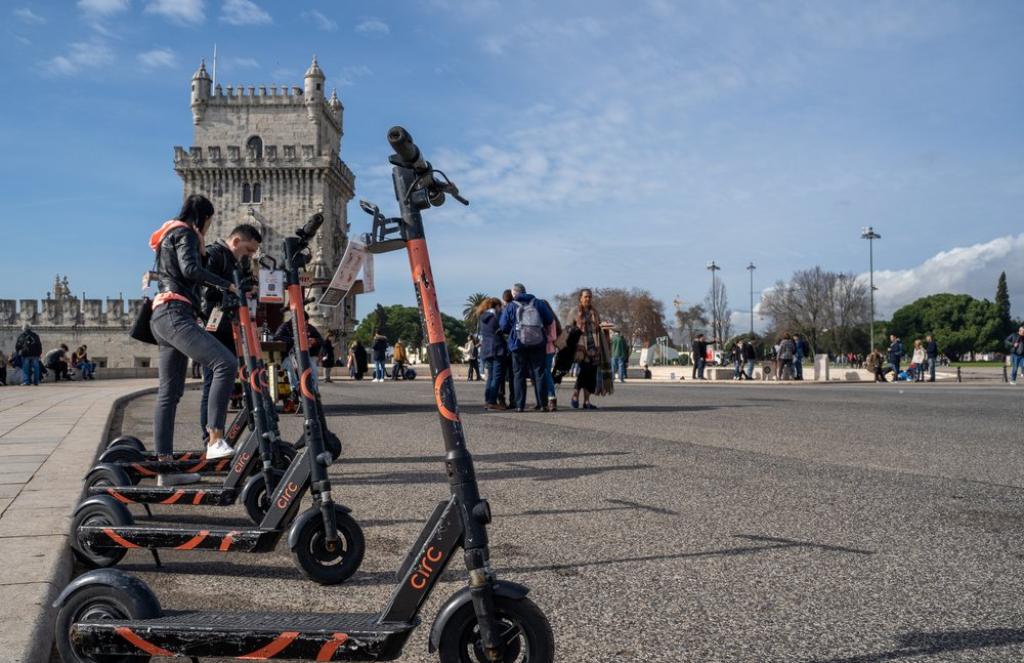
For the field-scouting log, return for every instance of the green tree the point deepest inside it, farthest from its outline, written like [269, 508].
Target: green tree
[403, 322]
[1003, 302]
[960, 324]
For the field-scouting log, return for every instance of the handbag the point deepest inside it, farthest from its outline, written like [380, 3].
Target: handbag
[140, 329]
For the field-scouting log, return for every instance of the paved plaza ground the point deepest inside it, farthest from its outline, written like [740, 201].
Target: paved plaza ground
[738, 522]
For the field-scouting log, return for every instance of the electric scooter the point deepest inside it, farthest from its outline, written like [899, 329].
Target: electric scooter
[110, 613]
[246, 479]
[326, 542]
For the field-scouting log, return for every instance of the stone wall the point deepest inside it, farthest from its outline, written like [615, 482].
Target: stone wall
[107, 345]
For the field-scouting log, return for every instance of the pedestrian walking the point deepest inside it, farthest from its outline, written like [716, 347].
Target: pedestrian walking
[327, 358]
[29, 350]
[400, 357]
[749, 355]
[620, 355]
[917, 361]
[179, 249]
[875, 363]
[1015, 342]
[380, 355]
[931, 351]
[590, 352]
[787, 351]
[473, 358]
[493, 350]
[524, 320]
[801, 349]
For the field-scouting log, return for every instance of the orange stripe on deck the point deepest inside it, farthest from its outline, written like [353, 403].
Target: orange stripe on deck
[198, 499]
[194, 541]
[275, 647]
[186, 455]
[225, 544]
[147, 647]
[441, 407]
[144, 471]
[198, 466]
[222, 464]
[331, 646]
[124, 543]
[173, 499]
[119, 497]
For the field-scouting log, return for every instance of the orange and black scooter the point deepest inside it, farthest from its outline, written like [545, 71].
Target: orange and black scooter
[110, 613]
[326, 542]
[260, 458]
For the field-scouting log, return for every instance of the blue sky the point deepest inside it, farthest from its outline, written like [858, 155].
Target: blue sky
[601, 143]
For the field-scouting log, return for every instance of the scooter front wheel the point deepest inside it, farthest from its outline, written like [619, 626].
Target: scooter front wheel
[98, 515]
[322, 563]
[522, 627]
[256, 497]
[89, 604]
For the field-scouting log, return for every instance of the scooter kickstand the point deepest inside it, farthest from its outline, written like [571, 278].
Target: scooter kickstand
[156, 557]
[148, 512]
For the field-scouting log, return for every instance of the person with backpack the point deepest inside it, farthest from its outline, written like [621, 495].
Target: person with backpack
[29, 348]
[1015, 341]
[525, 321]
[591, 353]
[179, 249]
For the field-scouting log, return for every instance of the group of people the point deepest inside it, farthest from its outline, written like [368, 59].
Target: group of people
[521, 339]
[358, 359]
[28, 358]
[923, 360]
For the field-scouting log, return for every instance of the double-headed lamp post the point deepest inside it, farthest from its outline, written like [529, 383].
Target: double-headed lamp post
[870, 235]
[750, 268]
[712, 267]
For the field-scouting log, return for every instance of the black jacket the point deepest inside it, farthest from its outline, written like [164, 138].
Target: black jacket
[699, 349]
[492, 342]
[748, 352]
[220, 262]
[180, 266]
[1016, 343]
[380, 348]
[284, 335]
[28, 344]
[931, 349]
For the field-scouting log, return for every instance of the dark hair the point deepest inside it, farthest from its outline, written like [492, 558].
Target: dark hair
[247, 231]
[507, 296]
[197, 210]
[63, 346]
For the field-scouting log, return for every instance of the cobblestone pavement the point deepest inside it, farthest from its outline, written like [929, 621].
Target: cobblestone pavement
[834, 524]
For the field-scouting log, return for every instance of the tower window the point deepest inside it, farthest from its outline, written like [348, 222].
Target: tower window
[257, 193]
[255, 147]
[246, 193]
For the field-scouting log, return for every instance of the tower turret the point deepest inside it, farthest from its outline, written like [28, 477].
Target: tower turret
[335, 105]
[313, 94]
[200, 92]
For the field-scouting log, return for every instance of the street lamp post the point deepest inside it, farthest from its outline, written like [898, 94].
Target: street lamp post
[714, 298]
[870, 235]
[750, 268]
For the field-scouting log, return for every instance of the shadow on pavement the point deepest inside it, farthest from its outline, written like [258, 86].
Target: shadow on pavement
[935, 643]
[519, 472]
[507, 457]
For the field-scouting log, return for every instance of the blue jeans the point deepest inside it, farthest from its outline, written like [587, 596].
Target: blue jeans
[293, 375]
[549, 379]
[495, 377]
[619, 368]
[749, 369]
[31, 370]
[932, 361]
[86, 368]
[1016, 362]
[379, 372]
[798, 367]
[701, 364]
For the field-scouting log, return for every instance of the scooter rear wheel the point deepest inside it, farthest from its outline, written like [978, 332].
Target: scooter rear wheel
[124, 455]
[93, 603]
[98, 515]
[107, 476]
[256, 497]
[330, 567]
[522, 627]
[128, 441]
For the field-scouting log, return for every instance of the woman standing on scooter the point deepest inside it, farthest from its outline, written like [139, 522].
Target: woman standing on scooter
[179, 247]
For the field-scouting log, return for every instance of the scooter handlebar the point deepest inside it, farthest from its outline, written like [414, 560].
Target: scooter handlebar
[403, 145]
[307, 231]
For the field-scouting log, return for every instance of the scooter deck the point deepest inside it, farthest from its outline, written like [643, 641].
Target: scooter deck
[176, 538]
[255, 636]
[151, 468]
[213, 496]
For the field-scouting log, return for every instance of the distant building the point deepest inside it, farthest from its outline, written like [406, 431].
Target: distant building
[271, 155]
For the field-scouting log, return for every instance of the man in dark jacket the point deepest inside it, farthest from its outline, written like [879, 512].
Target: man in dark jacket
[56, 360]
[895, 354]
[699, 350]
[931, 351]
[223, 257]
[1015, 341]
[493, 351]
[524, 321]
[30, 348]
[749, 355]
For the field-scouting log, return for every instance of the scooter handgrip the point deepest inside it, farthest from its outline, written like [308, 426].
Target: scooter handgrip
[401, 143]
[312, 225]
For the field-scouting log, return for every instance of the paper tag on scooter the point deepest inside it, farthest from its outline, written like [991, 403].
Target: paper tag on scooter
[215, 318]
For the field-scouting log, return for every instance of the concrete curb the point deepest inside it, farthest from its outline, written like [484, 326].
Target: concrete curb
[46, 536]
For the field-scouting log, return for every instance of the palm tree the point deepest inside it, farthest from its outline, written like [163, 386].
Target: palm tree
[469, 310]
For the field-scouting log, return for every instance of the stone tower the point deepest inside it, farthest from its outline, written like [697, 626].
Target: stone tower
[270, 155]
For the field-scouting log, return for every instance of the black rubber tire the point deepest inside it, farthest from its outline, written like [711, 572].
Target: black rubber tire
[103, 516]
[93, 602]
[284, 455]
[321, 565]
[255, 497]
[107, 477]
[128, 441]
[525, 629]
[124, 455]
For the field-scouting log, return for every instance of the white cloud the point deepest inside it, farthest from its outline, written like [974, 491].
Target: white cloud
[322, 22]
[103, 7]
[374, 25]
[972, 270]
[243, 12]
[241, 63]
[158, 58]
[26, 15]
[179, 11]
[540, 32]
[81, 55]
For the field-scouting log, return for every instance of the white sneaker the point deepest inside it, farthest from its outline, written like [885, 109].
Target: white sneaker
[164, 480]
[1013, 382]
[219, 449]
